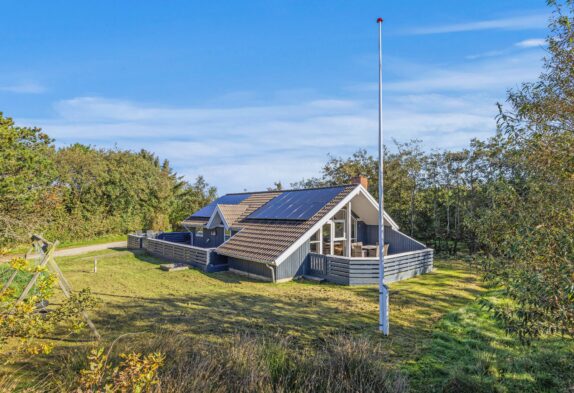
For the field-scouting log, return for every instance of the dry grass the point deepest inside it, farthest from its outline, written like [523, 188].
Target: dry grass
[253, 364]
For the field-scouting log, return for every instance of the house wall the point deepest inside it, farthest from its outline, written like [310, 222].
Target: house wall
[211, 238]
[255, 269]
[295, 264]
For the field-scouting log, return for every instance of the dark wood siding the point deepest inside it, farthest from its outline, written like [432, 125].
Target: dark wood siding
[135, 241]
[295, 264]
[398, 241]
[249, 267]
[175, 237]
[176, 252]
[357, 271]
[211, 238]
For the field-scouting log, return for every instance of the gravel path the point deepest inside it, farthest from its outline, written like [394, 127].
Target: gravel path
[79, 250]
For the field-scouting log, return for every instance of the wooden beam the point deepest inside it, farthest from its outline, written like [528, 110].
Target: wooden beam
[332, 237]
[348, 230]
[321, 240]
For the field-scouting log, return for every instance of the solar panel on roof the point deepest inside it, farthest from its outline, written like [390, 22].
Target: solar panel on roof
[230, 199]
[296, 205]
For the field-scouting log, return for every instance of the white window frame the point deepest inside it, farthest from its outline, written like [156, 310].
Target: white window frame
[226, 234]
[355, 228]
[340, 221]
[319, 240]
[199, 231]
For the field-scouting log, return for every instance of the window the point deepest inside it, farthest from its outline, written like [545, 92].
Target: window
[341, 215]
[226, 234]
[339, 230]
[354, 229]
[339, 247]
[327, 232]
[199, 232]
[315, 242]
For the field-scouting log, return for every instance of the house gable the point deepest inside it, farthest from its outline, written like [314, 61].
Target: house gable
[369, 208]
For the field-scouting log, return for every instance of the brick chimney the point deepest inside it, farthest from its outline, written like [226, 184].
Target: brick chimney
[362, 180]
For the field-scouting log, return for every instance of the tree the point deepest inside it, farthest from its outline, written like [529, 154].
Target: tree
[190, 198]
[26, 171]
[277, 186]
[80, 191]
[527, 225]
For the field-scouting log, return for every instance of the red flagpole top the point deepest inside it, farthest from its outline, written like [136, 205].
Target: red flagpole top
[380, 20]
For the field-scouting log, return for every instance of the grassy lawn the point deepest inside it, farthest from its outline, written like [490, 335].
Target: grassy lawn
[468, 351]
[137, 296]
[440, 338]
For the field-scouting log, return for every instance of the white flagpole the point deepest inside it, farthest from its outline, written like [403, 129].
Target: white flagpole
[383, 290]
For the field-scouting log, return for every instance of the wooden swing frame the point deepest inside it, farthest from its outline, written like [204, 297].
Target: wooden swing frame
[45, 251]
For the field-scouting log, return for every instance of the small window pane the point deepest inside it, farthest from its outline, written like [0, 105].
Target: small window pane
[315, 237]
[339, 229]
[314, 247]
[341, 214]
[326, 232]
[338, 248]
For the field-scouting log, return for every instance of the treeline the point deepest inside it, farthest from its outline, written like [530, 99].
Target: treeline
[80, 192]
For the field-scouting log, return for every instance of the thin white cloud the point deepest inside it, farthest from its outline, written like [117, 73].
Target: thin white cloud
[485, 75]
[526, 22]
[490, 53]
[23, 88]
[534, 43]
[531, 43]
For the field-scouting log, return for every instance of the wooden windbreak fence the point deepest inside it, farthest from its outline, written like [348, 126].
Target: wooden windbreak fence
[357, 271]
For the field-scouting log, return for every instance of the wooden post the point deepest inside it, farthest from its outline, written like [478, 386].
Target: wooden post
[348, 230]
[95, 265]
[321, 239]
[332, 237]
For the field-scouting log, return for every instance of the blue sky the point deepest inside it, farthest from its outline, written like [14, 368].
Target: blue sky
[248, 93]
